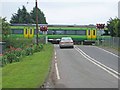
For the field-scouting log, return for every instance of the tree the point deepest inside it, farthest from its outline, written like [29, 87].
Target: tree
[5, 28]
[113, 26]
[23, 17]
[41, 16]
[119, 28]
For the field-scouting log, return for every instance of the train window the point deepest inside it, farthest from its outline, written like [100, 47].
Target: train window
[35, 31]
[40, 32]
[25, 31]
[81, 32]
[30, 31]
[54, 32]
[17, 31]
[70, 32]
[93, 32]
[88, 32]
[60, 32]
[50, 32]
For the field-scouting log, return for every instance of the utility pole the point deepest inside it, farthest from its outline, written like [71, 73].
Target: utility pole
[119, 9]
[36, 23]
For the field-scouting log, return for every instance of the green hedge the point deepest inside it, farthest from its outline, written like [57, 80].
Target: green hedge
[16, 55]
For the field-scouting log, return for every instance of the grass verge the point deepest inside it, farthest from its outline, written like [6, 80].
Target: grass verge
[30, 72]
[0, 72]
[0, 78]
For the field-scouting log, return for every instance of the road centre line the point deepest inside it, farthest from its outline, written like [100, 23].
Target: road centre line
[109, 70]
[108, 52]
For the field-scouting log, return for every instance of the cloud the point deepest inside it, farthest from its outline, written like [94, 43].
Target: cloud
[79, 12]
[67, 12]
[60, 0]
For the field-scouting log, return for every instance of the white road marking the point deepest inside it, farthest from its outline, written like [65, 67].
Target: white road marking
[98, 63]
[108, 52]
[55, 53]
[55, 57]
[57, 72]
[56, 67]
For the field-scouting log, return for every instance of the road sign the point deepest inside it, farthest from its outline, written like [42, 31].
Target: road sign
[43, 28]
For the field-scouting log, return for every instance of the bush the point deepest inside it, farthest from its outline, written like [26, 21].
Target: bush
[17, 42]
[11, 56]
[38, 48]
[29, 51]
[18, 52]
[23, 53]
[4, 60]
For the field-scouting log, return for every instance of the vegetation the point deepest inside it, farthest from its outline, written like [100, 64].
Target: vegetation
[113, 26]
[5, 28]
[0, 75]
[23, 17]
[15, 49]
[31, 72]
[41, 16]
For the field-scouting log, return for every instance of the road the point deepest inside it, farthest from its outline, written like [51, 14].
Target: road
[85, 67]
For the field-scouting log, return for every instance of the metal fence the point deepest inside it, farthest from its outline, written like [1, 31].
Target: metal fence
[112, 42]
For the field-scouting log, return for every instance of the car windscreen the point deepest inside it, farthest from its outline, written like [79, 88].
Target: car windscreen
[66, 40]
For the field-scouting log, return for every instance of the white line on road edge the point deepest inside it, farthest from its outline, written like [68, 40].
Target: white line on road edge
[98, 63]
[108, 52]
[55, 57]
[56, 67]
[57, 72]
[55, 53]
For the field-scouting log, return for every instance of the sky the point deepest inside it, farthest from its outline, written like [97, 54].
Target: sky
[79, 12]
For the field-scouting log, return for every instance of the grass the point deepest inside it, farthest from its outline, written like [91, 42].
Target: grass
[0, 73]
[0, 78]
[31, 72]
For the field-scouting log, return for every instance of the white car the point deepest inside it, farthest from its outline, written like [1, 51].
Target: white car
[66, 42]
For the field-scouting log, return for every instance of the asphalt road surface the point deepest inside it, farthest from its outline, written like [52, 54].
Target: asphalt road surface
[85, 67]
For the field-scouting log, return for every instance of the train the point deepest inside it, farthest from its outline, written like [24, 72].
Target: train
[79, 33]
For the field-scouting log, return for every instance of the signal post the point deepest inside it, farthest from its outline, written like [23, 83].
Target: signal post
[100, 27]
[44, 30]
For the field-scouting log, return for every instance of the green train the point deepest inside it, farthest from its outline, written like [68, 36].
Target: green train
[79, 33]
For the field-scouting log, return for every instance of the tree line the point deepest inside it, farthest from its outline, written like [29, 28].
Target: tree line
[24, 17]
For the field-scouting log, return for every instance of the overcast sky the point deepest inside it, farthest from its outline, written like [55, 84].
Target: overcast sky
[66, 11]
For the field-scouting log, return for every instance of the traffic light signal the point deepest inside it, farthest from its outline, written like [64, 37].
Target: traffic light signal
[43, 28]
[100, 26]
